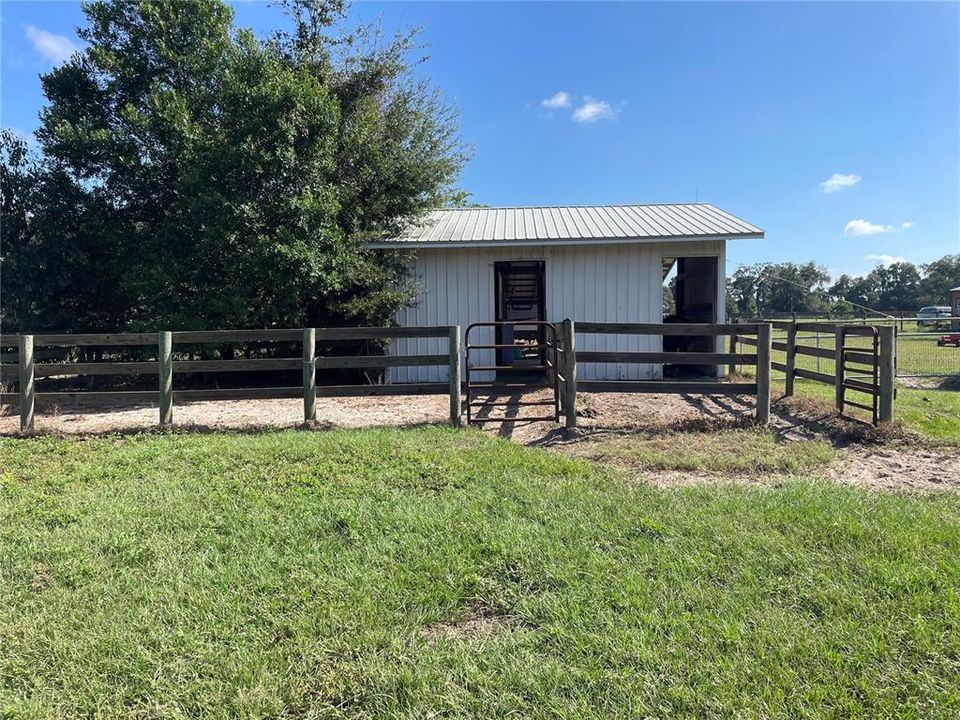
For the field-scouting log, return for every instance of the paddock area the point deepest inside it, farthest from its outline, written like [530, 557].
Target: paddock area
[618, 429]
[611, 411]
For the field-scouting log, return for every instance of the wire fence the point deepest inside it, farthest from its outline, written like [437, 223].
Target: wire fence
[923, 351]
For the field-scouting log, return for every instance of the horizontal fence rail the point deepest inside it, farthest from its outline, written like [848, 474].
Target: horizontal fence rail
[925, 346]
[760, 359]
[702, 329]
[167, 365]
[851, 356]
[840, 354]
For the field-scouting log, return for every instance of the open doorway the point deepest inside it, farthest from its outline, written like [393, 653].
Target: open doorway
[520, 295]
[690, 296]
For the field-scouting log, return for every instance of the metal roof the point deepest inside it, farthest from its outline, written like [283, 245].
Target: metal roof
[574, 224]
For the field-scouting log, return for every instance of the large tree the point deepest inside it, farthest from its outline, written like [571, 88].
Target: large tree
[776, 288]
[939, 278]
[195, 175]
[886, 288]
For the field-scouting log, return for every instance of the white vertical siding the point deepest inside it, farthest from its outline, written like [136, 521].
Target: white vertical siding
[600, 283]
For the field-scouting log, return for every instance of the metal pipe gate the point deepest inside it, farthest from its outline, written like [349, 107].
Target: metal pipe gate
[852, 355]
[547, 349]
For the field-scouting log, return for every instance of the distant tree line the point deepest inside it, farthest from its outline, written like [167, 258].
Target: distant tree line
[806, 289]
[192, 174]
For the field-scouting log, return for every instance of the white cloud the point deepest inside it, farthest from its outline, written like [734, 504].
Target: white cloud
[839, 181]
[557, 101]
[55, 49]
[865, 227]
[592, 110]
[886, 260]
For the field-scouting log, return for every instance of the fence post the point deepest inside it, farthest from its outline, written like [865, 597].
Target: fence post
[166, 377]
[558, 362]
[26, 383]
[454, 375]
[888, 371]
[732, 367]
[569, 373]
[838, 366]
[791, 358]
[763, 373]
[309, 375]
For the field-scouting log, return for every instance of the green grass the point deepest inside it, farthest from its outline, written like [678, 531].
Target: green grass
[299, 575]
[751, 450]
[934, 414]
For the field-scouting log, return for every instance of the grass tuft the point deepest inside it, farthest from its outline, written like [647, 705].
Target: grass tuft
[747, 451]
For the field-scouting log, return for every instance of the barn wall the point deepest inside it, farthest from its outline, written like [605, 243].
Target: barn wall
[601, 283]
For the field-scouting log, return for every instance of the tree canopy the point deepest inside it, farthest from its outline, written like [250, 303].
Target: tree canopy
[768, 288]
[902, 285]
[755, 290]
[192, 174]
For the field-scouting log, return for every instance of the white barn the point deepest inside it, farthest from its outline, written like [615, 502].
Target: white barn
[588, 263]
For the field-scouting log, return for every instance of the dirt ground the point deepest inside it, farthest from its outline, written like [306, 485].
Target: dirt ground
[882, 460]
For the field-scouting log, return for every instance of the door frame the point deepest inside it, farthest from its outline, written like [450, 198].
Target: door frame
[501, 266]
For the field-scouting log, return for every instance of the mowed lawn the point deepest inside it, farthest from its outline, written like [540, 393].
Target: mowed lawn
[443, 573]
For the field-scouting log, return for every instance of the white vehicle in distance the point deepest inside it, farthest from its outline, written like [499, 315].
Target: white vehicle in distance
[932, 315]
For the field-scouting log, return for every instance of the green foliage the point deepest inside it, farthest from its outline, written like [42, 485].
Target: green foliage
[764, 288]
[902, 286]
[939, 278]
[433, 572]
[770, 288]
[194, 175]
[890, 287]
[668, 297]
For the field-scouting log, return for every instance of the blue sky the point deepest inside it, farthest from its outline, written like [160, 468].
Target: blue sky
[754, 107]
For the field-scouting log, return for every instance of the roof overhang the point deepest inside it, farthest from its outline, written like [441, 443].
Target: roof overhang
[549, 242]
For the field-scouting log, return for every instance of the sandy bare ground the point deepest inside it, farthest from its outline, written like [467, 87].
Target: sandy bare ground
[888, 467]
[863, 456]
[610, 410]
[239, 415]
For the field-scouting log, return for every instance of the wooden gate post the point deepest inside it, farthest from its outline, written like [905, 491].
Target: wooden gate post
[732, 367]
[454, 375]
[763, 373]
[791, 359]
[309, 375]
[569, 373]
[888, 371]
[27, 397]
[166, 376]
[838, 366]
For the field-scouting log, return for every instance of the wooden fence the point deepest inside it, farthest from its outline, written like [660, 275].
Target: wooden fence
[760, 358]
[878, 368]
[167, 366]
